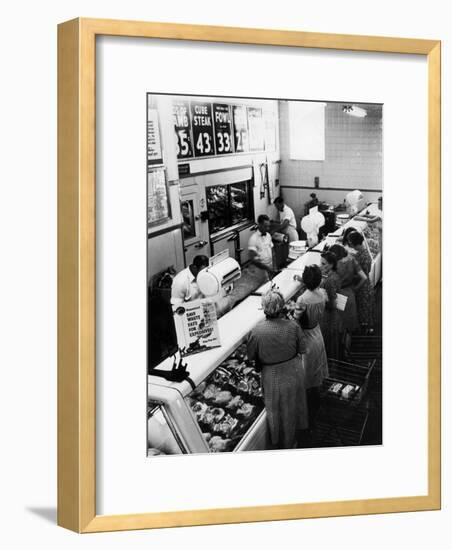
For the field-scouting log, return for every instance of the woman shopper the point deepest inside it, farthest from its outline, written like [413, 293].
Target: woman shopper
[277, 346]
[309, 310]
[330, 323]
[351, 278]
[364, 295]
[344, 239]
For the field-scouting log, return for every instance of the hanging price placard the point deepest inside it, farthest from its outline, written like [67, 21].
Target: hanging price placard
[202, 125]
[241, 141]
[270, 131]
[181, 116]
[159, 209]
[222, 117]
[155, 155]
[256, 129]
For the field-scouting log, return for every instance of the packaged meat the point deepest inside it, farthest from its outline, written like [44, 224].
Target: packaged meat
[243, 386]
[221, 376]
[235, 403]
[209, 416]
[199, 409]
[247, 369]
[228, 401]
[218, 445]
[154, 452]
[223, 397]
[218, 414]
[246, 410]
[226, 426]
[211, 391]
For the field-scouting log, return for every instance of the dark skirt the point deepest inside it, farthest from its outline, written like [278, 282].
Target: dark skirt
[349, 317]
[331, 331]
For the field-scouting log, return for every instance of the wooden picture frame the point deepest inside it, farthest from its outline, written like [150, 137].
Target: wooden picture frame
[77, 272]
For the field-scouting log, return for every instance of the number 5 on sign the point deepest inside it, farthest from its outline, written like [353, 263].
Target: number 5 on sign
[182, 122]
[183, 144]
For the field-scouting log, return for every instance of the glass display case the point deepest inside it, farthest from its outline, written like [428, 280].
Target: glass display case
[217, 204]
[228, 402]
[240, 204]
[372, 239]
[224, 412]
[188, 219]
[372, 236]
[164, 439]
[228, 205]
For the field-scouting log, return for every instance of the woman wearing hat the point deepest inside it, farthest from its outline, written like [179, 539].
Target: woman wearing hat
[277, 346]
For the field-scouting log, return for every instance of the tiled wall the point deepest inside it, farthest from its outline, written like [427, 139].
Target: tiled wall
[353, 157]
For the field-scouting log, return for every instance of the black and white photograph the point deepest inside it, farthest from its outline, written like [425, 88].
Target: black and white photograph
[264, 272]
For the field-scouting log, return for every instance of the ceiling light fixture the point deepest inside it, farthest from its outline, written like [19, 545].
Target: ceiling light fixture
[353, 110]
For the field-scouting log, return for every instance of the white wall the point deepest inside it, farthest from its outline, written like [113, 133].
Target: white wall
[28, 274]
[353, 152]
[353, 159]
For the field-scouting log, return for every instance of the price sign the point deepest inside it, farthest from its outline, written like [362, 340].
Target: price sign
[202, 124]
[158, 201]
[256, 129]
[154, 145]
[270, 131]
[196, 326]
[241, 141]
[223, 128]
[181, 116]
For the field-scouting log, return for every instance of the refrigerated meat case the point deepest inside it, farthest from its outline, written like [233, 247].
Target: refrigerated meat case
[223, 409]
[219, 407]
[225, 412]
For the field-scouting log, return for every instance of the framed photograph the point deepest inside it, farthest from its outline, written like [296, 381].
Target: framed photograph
[231, 345]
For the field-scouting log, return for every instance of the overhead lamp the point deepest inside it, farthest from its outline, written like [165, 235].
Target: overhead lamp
[353, 110]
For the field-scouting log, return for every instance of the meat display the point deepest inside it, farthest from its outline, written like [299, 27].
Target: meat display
[227, 403]
[372, 236]
[219, 445]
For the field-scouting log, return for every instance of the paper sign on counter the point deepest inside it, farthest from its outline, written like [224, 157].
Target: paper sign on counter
[196, 326]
